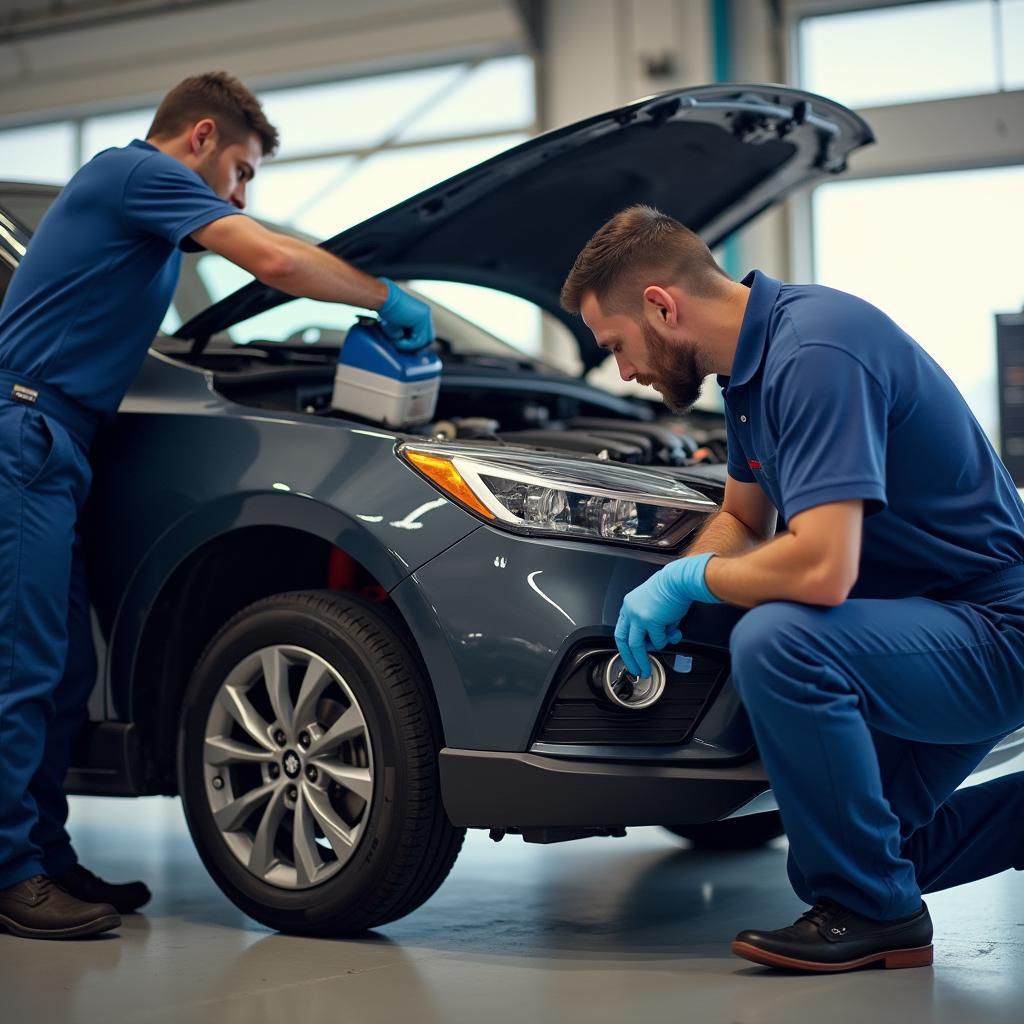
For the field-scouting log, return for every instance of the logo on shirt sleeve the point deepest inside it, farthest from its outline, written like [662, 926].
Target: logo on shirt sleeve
[753, 464]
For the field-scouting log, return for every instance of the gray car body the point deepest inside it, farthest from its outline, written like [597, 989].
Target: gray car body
[201, 505]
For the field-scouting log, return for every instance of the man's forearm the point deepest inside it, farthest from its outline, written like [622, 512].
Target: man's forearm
[317, 274]
[724, 534]
[779, 570]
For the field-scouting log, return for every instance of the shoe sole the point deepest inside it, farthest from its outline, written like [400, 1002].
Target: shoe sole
[920, 956]
[101, 924]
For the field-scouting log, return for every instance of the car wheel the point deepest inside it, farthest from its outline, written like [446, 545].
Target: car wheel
[307, 765]
[743, 833]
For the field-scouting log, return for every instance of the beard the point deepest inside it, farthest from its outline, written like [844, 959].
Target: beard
[675, 370]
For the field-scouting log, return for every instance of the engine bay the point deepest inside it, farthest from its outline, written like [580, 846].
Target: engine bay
[514, 401]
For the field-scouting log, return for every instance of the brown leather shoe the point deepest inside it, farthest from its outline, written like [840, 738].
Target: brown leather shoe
[39, 909]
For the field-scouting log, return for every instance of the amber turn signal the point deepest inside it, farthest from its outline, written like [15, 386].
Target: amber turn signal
[443, 474]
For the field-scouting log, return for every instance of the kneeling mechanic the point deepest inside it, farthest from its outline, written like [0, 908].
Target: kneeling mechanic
[75, 325]
[883, 653]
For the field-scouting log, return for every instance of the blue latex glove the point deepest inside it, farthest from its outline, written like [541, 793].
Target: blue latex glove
[651, 613]
[405, 320]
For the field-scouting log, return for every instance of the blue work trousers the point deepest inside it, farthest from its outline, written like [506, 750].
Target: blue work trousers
[47, 660]
[868, 716]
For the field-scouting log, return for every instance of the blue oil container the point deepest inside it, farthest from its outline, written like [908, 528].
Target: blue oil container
[375, 381]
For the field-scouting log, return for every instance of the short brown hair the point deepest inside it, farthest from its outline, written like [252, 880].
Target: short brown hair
[637, 247]
[219, 96]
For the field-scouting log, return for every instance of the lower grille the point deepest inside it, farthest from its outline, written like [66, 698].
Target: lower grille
[581, 714]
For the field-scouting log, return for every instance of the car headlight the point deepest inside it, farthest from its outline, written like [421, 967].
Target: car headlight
[552, 495]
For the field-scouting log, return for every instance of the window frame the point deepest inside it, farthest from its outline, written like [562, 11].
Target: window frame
[78, 119]
[921, 137]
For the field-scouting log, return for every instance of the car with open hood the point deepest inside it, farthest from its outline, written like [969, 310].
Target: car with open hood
[343, 640]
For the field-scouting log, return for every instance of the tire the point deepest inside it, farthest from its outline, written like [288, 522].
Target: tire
[744, 833]
[361, 840]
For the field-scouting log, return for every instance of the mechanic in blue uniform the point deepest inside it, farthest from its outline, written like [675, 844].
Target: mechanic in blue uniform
[75, 325]
[883, 655]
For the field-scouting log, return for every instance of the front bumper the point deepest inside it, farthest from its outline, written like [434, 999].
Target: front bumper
[499, 619]
[503, 790]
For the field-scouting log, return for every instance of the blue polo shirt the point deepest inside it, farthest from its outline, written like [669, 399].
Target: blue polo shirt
[100, 272]
[829, 400]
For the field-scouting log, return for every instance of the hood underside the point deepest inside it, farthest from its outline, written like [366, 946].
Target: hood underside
[713, 157]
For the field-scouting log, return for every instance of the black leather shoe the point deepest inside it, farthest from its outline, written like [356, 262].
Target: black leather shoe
[828, 937]
[81, 883]
[39, 909]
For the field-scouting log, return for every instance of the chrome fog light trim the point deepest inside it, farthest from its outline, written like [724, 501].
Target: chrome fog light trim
[628, 691]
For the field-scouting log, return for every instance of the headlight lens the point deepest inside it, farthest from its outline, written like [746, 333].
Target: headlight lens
[553, 495]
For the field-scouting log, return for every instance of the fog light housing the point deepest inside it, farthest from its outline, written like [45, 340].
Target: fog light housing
[627, 691]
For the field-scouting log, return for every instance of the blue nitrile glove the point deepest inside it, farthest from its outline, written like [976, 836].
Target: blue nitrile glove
[651, 613]
[405, 320]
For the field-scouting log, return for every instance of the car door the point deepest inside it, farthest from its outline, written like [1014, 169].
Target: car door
[14, 238]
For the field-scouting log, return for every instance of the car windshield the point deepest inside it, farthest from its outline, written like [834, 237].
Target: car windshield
[472, 321]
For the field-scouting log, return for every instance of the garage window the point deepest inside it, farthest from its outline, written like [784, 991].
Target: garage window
[43, 153]
[352, 149]
[920, 51]
[923, 225]
[349, 148]
[940, 277]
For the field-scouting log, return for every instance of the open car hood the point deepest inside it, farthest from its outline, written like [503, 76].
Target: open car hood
[713, 157]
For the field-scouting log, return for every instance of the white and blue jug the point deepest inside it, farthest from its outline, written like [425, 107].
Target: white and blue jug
[375, 381]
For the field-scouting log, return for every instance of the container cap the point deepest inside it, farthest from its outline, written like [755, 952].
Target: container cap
[367, 348]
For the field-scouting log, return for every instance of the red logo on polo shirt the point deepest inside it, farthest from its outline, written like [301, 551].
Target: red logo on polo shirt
[753, 464]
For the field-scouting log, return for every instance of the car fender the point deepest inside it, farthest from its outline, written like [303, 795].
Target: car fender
[387, 563]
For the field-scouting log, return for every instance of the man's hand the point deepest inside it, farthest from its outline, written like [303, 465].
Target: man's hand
[651, 613]
[405, 320]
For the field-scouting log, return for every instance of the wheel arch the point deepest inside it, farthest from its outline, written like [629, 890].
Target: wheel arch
[190, 586]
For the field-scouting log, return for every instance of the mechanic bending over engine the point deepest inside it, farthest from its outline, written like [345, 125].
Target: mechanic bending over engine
[883, 655]
[75, 326]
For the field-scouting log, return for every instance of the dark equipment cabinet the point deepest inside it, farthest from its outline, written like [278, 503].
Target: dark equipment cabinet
[1010, 369]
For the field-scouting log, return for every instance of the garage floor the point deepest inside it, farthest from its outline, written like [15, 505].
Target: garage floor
[618, 930]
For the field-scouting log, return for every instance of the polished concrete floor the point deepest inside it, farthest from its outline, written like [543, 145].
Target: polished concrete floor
[605, 930]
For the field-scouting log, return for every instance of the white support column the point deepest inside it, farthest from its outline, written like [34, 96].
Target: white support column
[600, 54]
[756, 56]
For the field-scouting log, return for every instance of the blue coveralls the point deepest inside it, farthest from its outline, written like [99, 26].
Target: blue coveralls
[75, 324]
[868, 715]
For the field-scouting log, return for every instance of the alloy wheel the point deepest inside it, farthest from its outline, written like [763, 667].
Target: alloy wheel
[288, 766]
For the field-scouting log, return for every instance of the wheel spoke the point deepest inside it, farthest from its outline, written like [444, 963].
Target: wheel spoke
[219, 750]
[358, 780]
[350, 724]
[313, 682]
[262, 856]
[340, 838]
[304, 849]
[238, 706]
[275, 676]
[230, 817]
